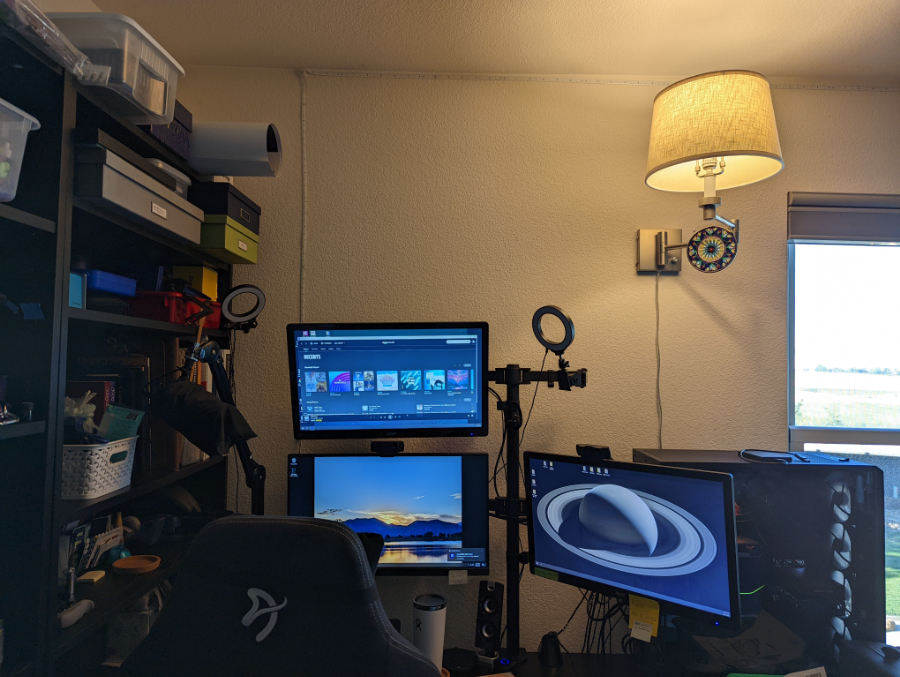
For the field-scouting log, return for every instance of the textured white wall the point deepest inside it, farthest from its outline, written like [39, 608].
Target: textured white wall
[67, 6]
[443, 199]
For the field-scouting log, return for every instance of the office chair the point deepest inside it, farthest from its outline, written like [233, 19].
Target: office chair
[276, 596]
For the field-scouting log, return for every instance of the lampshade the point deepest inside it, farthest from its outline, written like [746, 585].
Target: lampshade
[726, 114]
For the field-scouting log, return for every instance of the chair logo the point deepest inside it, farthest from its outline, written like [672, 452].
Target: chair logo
[255, 612]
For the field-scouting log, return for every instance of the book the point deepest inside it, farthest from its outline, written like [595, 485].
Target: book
[167, 445]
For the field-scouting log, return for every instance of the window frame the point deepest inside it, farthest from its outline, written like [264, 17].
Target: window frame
[837, 219]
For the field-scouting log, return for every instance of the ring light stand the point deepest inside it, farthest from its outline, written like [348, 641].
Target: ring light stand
[512, 508]
[208, 353]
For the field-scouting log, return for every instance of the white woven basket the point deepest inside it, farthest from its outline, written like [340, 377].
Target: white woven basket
[93, 470]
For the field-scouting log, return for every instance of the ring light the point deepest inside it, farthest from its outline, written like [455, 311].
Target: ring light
[560, 347]
[252, 313]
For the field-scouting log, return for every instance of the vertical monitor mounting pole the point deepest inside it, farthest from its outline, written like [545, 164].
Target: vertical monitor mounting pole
[512, 507]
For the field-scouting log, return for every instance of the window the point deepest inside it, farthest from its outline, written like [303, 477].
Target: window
[844, 344]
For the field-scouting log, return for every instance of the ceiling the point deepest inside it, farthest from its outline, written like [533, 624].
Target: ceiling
[847, 41]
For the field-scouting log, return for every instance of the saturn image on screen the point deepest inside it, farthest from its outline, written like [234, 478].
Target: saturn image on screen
[626, 530]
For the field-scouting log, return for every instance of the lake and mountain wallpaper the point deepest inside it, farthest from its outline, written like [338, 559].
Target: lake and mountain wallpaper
[415, 503]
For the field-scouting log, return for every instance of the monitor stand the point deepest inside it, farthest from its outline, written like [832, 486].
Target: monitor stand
[511, 508]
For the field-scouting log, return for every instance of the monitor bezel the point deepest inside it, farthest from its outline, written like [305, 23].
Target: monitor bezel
[418, 571]
[725, 480]
[382, 433]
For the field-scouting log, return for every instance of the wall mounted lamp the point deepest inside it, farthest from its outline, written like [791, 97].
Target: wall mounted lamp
[710, 131]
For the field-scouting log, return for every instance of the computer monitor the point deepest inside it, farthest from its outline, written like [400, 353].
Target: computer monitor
[431, 509]
[659, 532]
[389, 380]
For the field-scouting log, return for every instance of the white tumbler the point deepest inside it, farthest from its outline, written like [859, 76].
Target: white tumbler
[429, 619]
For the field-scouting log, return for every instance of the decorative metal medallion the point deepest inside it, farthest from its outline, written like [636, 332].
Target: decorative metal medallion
[712, 249]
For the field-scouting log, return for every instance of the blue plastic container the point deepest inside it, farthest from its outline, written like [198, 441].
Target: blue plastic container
[97, 280]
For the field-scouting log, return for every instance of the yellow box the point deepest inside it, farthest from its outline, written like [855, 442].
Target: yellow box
[205, 280]
[229, 242]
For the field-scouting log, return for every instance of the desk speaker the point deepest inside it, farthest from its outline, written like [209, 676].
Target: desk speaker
[490, 613]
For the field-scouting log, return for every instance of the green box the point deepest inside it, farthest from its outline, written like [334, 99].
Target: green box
[229, 241]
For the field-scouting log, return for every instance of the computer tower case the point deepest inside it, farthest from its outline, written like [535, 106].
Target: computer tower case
[810, 541]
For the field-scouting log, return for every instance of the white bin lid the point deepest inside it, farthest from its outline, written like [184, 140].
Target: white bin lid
[113, 18]
[18, 111]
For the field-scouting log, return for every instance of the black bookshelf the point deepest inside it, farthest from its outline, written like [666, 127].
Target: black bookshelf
[46, 229]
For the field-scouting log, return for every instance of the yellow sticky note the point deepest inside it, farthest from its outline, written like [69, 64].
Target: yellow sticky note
[644, 610]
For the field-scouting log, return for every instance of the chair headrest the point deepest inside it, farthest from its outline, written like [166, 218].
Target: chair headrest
[252, 550]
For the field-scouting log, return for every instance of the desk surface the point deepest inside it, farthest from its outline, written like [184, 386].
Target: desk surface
[616, 665]
[582, 665]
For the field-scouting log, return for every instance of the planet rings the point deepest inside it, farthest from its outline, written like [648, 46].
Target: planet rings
[696, 548]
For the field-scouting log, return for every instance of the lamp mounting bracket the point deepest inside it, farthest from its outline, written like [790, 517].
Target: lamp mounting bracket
[652, 250]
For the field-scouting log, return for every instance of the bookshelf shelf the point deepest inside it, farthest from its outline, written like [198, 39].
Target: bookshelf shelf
[25, 218]
[141, 486]
[14, 430]
[114, 592]
[84, 315]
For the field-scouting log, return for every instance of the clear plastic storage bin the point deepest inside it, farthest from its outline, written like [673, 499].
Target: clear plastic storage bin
[143, 76]
[14, 127]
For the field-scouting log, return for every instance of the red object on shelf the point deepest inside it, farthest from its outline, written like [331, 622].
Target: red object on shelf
[165, 306]
[212, 321]
[170, 306]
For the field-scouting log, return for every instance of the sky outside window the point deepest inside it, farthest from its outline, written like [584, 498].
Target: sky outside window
[847, 335]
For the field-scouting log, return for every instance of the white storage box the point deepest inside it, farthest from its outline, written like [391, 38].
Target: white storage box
[14, 127]
[93, 470]
[143, 76]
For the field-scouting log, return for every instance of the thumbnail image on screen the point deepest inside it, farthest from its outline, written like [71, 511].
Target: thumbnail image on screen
[636, 529]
